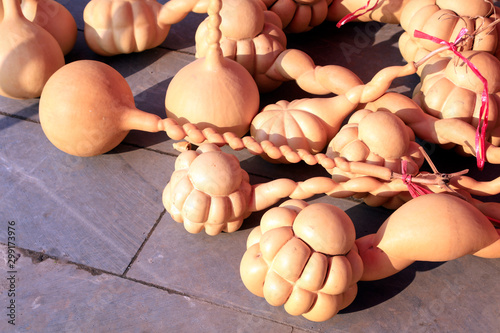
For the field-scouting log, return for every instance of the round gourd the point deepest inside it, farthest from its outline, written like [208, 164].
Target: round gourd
[303, 257]
[87, 108]
[29, 55]
[213, 91]
[123, 26]
[55, 18]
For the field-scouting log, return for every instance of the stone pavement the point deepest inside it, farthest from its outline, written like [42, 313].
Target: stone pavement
[97, 252]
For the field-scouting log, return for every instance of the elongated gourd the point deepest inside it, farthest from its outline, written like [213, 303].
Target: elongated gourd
[432, 227]
[213, 91]
[29, 55]
[87, 108]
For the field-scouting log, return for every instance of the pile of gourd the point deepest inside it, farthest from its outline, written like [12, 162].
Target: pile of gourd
[303, 256]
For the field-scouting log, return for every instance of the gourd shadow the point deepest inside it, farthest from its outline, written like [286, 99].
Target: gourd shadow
[373, 293]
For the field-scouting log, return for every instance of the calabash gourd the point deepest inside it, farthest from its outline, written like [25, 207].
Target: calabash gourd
[432, 227]
[213, 91]
[303, 257]
[385, 11]
[365, 138]
[299, 15]
[123, 26]
[55, 18]
[29, 55]
[455, 91]
[210, 191]
[87, 108]
[444, 20]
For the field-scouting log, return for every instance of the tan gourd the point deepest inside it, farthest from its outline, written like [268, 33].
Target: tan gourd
[123, 26]
[213, 91]
[87, 108]
[455, 91]
[299, 15]
[55, 18]
[209, 191]
[303, 257]
[385, 11]
[444, 20]
[433, 227]
[378, 138]
[29, 55]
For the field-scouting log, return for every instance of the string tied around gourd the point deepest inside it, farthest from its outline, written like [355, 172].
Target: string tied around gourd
[357, 13]
[414, 189]
[485, 102]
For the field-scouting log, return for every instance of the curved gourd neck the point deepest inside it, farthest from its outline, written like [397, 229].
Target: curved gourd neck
[12, 9]
[135, 119]
[214, 57]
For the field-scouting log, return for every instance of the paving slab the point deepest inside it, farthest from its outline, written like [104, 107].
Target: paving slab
[94, 211]
[68, 298]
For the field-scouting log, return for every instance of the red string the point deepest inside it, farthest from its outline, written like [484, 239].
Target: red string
[485, 101]
[353, 16]
[414, 189]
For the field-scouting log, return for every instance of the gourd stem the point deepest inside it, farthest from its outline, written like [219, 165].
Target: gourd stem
[135, 119]
[12, 9]
[214, 53]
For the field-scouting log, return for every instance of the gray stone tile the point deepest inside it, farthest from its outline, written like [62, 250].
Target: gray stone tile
[94, 211]
[53, 296]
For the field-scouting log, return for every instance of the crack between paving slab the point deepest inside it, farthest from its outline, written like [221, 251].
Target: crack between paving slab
[134, 258]
[38, 257]
[18, 117]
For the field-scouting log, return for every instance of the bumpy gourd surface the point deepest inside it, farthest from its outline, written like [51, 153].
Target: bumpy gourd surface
[303, 257]
[208, 190]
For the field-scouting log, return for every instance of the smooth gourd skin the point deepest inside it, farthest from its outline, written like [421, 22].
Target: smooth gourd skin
[82, 107]
[303, 257]
[29, 55]
[220, 95]
[123, 26]
[55, 18]
[432, 227]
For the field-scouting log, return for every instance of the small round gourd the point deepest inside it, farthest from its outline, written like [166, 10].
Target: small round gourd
[55, 18]
[29, 55]
[87, 108]
[303, 257]
[123, 26]
[208, 191]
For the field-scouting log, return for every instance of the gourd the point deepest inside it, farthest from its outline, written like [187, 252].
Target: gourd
[432, 227]
[209, 191]
[87, 108]
[299, 15]
[55, 18]
[123, 26]
[378, 138]
[213, 91]
[29, 55]
[258, 42]
[303, 257]
[385, 11]
[444, 20]
[251, 35]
